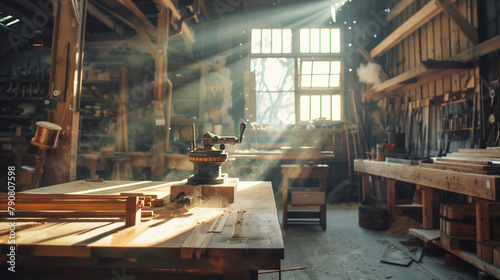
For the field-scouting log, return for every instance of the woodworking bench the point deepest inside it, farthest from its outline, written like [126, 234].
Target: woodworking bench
[231, 242]
[481, 189]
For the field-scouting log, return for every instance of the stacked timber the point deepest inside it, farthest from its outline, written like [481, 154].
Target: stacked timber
[458, 228]
[476, 161]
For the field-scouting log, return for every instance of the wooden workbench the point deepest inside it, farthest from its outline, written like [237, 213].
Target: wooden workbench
[174, 244]
[482, 189]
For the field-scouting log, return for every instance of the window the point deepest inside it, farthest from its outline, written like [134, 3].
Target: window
[274, 90]
[320, 74]
[320, 40]
[317, 106]
[295, 85]
[271, 40]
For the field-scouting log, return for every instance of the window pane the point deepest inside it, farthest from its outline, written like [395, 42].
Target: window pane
[335, 40]
[314, 40]
[275, 96]
[315, 107]
[305, 81]
[321, 67]
[287, 40]
[320, 81]
[304, 107]
[336, 108]
[335, 69]
[306, 67]
[304, 40]
[256, 40]
[266, 40]
[326, 107]
[325, 40]
[276, 41]
[275, 108]
[335, 81]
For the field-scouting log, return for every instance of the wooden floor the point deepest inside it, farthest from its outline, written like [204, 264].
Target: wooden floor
[346, 251]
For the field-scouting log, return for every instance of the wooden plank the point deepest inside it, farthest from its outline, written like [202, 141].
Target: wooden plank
[427, 207]
[459, 169]
[420, 18]
[460, 20]
[238, 225]
[464, 165]
[469, 155]
[149, 27]
[485, 151]
[400, 7]
[391, 198]
[482, 186]
[425, 235]
[218, 223]
[459, 229]
[482, 220]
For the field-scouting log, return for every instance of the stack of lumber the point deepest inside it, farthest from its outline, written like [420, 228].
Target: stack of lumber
[477, 161]
[24, 205]
[458, 225]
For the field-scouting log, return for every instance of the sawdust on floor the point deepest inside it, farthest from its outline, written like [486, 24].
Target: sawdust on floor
[400, 227]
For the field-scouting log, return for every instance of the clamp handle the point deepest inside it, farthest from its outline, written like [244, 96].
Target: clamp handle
[243, 126]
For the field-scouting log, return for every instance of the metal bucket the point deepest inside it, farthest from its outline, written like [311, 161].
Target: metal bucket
[46, 135]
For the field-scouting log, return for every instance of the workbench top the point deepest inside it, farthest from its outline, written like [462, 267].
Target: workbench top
[166, 241]
[474, 185]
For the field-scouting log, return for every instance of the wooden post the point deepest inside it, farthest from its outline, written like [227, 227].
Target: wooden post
[133, 211]
[65, 85]
[391, 198]
[427, 207]
[482, 219]
[160, 128]
[366, 186]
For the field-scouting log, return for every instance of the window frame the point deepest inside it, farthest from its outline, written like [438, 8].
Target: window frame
[250, 92]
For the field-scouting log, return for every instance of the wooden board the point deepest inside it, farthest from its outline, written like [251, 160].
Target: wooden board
[475, 185]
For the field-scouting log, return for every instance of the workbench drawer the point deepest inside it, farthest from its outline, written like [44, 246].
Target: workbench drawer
[308, 198]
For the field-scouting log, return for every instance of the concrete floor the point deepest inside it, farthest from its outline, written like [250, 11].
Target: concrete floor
[347, 251]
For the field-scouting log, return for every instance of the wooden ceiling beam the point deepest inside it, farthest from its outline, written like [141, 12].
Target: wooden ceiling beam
[148, 26]
[186, 33]
[93, 10]
[400, 7]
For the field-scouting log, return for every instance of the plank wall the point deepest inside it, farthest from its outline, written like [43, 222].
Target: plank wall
[438, 39]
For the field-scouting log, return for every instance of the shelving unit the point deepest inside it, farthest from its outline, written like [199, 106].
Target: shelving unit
[99, 106]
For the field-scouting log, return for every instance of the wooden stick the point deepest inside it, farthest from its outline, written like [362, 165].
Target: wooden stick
[282, 270]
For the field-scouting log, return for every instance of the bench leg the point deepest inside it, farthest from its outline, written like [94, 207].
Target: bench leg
[322, 213]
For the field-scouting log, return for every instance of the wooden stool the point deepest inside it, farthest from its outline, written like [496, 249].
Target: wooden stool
[304, 196]
[122, 169]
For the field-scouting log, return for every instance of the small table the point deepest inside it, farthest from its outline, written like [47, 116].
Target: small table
[305, 196]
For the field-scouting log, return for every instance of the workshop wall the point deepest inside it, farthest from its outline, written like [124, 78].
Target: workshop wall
[443, 104]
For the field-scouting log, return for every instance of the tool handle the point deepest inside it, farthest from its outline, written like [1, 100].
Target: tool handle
[243, 126]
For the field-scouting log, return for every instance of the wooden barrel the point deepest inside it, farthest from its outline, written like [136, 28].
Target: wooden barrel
[373, 214]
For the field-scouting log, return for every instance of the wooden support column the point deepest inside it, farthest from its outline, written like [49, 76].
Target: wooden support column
[482, 219]
[427, 207]
[160, 127]
[65, 86]
[366, 186]
[391, 198]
